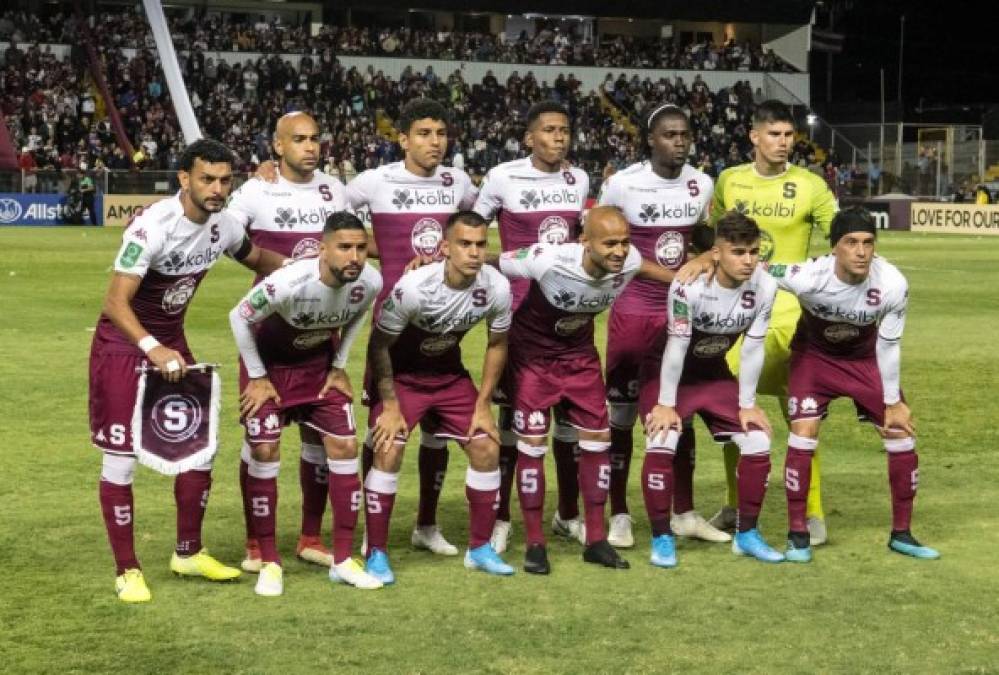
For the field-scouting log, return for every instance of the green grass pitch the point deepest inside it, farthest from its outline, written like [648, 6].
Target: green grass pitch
[857, 608]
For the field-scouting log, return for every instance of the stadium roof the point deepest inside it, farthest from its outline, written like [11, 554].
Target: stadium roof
[773, 11]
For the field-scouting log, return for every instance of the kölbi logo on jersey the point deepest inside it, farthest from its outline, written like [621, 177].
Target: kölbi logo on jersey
[684, 210]
[408, 198]
[532, 199]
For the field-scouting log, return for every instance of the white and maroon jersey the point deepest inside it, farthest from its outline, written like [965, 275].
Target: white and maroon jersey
[661, 215]
[408, 212]
[708, 318]
[431, 318]
[845, 320]
[556, 318]
[296, 317]
[287, 217]
[172, 255]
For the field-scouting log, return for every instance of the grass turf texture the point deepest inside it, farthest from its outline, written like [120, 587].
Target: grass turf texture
[858, 607]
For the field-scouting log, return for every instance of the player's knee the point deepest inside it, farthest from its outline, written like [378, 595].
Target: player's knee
[391, 459]
[900, 444]
[594, 445]
[755, 442]
[663, 442]
[338, 448]
[803, 443]
[118, 469]
[483, 454]
[263, 469]
[532, 449]
[623, 415]
[314, 453]
[564, 432]
[265, 452]
[806, 428]
[428, 440]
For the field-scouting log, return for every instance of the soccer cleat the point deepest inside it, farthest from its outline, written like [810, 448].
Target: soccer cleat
[202, 565]
[817, 531]
[751, 543]
[619, 533]
[130, 586]
[573, 528]
[602, 553]
[351, 573]
[377, 566]
[536, 560]
[501, 535]
[798, 549]
[906, 544]
[486, 559]
[692, 524]
[430, 538]
[725, 519]
[252, 562]
[270, 581]
[311, 549]
[663, 551]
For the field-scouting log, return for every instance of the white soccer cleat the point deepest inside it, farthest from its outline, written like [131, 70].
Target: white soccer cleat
[501, 535]
[574, 528]
[619, 533]
[430, 538]
[817, 534]
[692, 524]
[726, 519]
[350, 572]
[270, 582]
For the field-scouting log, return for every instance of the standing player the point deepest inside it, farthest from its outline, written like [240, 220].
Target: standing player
[284, 328]
[537, 199]
[416, 359]
[410, 201]
[166, 252]
[786, 201]
[704, 320]
[553, 361]
[663, 198]
[848, 344]
[287, 216]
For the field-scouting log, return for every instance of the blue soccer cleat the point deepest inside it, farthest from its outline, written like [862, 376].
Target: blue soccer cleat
[798, 551]
[377, 566]
[486, 559]
[751, 543]
[906, 544]
[663, 551]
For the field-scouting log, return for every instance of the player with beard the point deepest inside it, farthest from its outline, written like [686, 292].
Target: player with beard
[287, 216]
[663, 198]
[165, 253]
[283, 328]
[537, 199]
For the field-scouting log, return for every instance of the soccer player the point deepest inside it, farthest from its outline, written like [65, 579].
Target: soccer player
[786, 201]
[410, 202]
[284, 328]
[416, 360]
[165, 253]
[704, 320]
[553, 361]
[847, 344]
[663, 198]
[287, 216]
[537, 199]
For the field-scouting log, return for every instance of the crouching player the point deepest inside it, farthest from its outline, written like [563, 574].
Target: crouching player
[416, 361]
[285, 327]
[847, 344]
[704, 320]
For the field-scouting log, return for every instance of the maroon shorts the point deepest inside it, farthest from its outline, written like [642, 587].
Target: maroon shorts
[447, 402]
[715, 401]
[113, 385]
[299, 386]
[631, 338]
[575, 384]
[817, 379]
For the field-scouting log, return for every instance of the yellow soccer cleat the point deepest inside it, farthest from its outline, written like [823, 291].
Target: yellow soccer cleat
[131, 586]
[202, 565]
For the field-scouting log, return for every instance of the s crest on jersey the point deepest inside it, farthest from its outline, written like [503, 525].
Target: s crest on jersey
[670, 249]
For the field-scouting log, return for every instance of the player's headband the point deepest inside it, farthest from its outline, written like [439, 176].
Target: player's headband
[665, 106]
[853, 219]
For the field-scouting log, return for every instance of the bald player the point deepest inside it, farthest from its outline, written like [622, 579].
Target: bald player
[288, 216]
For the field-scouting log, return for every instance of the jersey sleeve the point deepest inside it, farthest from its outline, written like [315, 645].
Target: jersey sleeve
[794, 278]
[717, 208]
[139, 247]
[360, 191]
[240, 205]
[524, 263]
[235, 241]
[489, 200]
[372, 284]
[263, 300]
[709, 195]
[608, 193]
[678, 327]
[501, 316]
[766, 295]
[893, 321]
[584, 190]
[824, 207]
[470, 194]
[399, 307]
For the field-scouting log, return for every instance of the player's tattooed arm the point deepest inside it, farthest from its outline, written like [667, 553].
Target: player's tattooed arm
[118, 308]
[390, 422]
[695, 267]
[653, 272]
[263, 261]
[492, 369]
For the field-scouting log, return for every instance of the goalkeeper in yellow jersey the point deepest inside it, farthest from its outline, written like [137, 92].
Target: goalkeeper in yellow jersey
[787, 202]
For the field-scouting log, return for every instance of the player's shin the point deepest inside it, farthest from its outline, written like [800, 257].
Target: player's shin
[344, 488]
[752, 474]
[623, 418]
[531, 489]
[903, 478]
[262, 488]
[565, 453]
[657, 487]
[191, 490]
[244, 466]
[380, 488]
[507, 462]
[683, 472]
[117, 507]
[797, 476]
[594, 483]
[482, 492]
[433, 466]
[312, 477]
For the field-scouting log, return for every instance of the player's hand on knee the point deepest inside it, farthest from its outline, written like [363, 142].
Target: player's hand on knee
[754, 417]
[337, 379]
[169, 362]
[661, 420]
[898, 417]
[389, 425]
[482, 420]
[257, 393]
[267, 171]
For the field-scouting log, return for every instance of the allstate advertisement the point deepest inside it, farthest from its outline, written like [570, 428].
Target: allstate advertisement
[37, 209]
